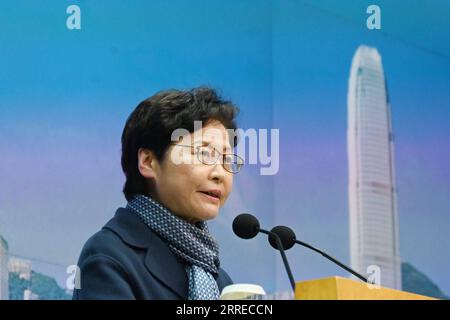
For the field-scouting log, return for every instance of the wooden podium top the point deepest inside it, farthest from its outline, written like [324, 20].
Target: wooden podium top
[337, 288]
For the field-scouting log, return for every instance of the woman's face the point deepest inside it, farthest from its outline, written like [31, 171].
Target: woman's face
[181, 186]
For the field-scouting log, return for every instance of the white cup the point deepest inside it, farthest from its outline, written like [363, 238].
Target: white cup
[242, 291]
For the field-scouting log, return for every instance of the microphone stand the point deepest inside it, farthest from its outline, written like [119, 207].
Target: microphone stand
[283, 256]
[332, 259]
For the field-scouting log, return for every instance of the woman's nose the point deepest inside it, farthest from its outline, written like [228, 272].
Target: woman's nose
[217, 171]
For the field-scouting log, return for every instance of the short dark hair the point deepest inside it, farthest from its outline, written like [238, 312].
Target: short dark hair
[151, 124]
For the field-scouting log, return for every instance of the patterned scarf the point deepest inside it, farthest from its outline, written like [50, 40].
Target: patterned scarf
[192, 243]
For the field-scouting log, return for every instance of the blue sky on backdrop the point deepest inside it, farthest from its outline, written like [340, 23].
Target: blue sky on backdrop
[65, 95]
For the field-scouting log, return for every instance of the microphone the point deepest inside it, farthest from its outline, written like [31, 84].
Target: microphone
[288, 239]
[246, 226]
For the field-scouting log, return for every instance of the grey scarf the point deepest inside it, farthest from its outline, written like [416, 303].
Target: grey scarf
[192, 243]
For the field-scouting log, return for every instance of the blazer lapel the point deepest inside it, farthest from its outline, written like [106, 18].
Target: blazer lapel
[159, 259]
[165, 266]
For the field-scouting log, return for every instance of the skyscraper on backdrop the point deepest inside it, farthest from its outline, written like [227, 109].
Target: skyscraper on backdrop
[374, 239]
[4, 273]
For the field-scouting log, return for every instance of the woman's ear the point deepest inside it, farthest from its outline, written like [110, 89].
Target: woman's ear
[147, 163]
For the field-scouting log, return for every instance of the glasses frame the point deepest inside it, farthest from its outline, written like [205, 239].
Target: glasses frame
[217, 158]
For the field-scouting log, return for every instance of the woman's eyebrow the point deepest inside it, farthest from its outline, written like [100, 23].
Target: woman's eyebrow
[200, 142]
[208, 143]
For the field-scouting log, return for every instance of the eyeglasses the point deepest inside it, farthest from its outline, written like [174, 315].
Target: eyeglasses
[209, 155]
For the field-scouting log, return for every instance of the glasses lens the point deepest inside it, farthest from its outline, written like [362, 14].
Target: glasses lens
[207, 154]
[233, 163]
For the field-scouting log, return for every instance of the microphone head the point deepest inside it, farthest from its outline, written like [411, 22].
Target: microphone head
[246, 226]
[286, 235]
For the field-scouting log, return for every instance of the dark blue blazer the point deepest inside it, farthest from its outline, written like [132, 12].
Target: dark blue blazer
[127, 260]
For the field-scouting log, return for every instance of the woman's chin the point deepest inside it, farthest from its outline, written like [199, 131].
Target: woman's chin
[207, 213]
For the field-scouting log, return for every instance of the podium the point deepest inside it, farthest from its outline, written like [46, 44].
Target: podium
[337, 288]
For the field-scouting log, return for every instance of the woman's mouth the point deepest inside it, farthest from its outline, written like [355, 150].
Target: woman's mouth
[212, 196]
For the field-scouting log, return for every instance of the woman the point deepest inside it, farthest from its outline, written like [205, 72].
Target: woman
[159, 247]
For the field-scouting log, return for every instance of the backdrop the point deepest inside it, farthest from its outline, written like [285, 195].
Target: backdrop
[65, 95]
